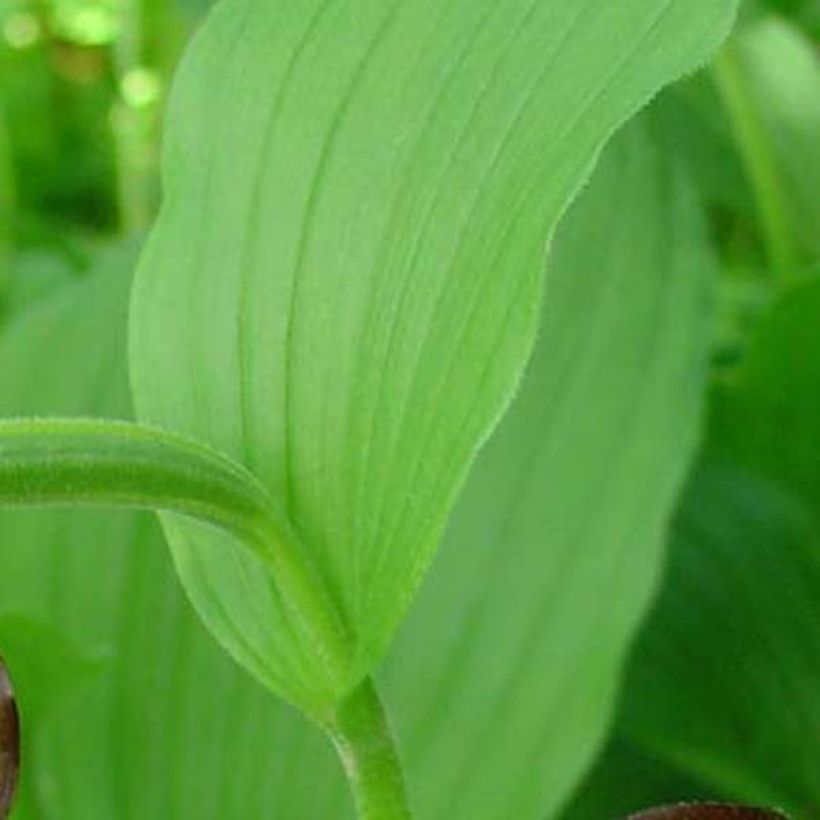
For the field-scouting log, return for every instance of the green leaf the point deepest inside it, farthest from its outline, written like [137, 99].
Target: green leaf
[34, 275]
[693, 112]
[555, 548]
[47, 665]
[626, 779]
[502, 681]
[130, 710]
[64, 566]
[724, 681]
[7, 203]
[769, 78]
[768, 418]
[723, 684]
[50, 669]
[804, 12]
[343, 287]
[784, 66]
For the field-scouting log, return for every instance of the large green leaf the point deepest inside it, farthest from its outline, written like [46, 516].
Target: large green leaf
[503, 679]
[343, 286]
[554, 550]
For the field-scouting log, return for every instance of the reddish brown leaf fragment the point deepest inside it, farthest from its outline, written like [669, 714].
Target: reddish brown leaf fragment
[708, 811]
[9, 742]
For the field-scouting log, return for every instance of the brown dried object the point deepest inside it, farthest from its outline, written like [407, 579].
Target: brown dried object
[9, 742]
[708, 811]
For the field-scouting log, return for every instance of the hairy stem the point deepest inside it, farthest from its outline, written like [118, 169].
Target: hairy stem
[757, 153]
[70, 462]
[365, 744]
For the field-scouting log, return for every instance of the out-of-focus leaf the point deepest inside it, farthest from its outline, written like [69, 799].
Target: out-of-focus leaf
[769, 76]
[748, 128]
[626, 779]
[49, 671]
[7, 208]
[31, 277]
[804, 13]
[47, 664]
[49, 560]
[784, 66]
[344, 284]
[517, 658]
[130, 709]
[725, 679]
[768, 418]
[60, 137]
[693, 114]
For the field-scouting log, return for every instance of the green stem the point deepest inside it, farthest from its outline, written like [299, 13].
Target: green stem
[365, 744]
[758, 155]
[69, 462]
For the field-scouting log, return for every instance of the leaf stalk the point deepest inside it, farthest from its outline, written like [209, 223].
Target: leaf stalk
[365, 744]
[104, 463]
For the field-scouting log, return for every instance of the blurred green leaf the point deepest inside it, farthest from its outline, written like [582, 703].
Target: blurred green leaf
[166, 726]
[7, 203]
[724, 682]
[784, 66]
[32, 276]
[748, 130]
[804, 13]
[49, 669]
[47, 664]
[768, 418]
[626, 779]
[697, 126]
[343, 287]
[723, 685]
[769, 78]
